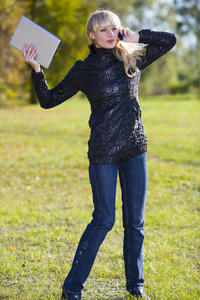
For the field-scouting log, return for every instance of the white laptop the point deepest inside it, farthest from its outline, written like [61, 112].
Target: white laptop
[28, 32]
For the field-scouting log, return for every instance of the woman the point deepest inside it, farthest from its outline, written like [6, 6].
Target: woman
[109, 77]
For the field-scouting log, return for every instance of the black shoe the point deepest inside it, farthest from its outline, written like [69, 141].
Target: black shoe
[139, 293]
[70, 296]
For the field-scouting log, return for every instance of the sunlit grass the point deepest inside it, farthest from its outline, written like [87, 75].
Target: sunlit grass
[46, 202]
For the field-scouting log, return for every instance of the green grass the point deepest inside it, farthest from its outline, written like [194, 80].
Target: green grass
[45, 202]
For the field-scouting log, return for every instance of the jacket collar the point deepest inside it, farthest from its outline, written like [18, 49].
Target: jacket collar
[100, 51]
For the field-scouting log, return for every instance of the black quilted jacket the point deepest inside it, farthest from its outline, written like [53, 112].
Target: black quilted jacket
[117, 130]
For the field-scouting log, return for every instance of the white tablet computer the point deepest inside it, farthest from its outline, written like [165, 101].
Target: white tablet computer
[28, 32]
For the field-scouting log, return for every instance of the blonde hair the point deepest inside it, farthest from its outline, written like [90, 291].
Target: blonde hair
[128, 53]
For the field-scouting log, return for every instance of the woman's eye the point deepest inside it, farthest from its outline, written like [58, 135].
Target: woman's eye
[114, 28]
[103, 29]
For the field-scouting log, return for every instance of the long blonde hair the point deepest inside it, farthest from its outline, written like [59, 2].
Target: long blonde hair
[128, 53]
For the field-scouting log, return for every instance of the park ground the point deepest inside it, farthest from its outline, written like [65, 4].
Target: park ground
[46, 202]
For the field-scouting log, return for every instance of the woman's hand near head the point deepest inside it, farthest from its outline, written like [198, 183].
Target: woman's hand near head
[30, 53]
[129, 36]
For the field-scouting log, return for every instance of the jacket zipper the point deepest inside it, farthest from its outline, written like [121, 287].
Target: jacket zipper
[112, 93]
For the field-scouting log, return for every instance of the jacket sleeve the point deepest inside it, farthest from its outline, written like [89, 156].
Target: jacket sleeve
[158, 43]
[49, 98]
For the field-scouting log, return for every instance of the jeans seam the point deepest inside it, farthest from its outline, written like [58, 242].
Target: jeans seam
[126, 211]
[87, 241]
[99, 215]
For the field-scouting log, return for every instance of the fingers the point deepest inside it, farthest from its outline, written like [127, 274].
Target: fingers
[126, 31]
[24, 49]
[33, 53]
[120, 29]
[29, 52]
[128, 35]
[124, 34]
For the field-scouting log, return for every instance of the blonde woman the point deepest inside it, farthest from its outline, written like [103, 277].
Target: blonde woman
[109, 77]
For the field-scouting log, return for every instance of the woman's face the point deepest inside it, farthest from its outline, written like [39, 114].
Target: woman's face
[105, 37]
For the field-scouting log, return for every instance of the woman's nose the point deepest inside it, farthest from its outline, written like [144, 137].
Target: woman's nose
[110, 33]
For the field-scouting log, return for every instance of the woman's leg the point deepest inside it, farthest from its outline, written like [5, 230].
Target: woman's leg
[133, 179]
[103, 180]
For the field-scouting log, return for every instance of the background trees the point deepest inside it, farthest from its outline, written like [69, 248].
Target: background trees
[188, 26]
[177, 71]
[64, 18]
[13, 70]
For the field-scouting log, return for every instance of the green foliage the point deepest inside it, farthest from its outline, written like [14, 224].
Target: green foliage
[189, 16]
[13, 74]
[178, 71]
[66, 19]
[46, 202]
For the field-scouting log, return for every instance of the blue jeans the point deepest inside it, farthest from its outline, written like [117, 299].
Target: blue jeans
[103, 178]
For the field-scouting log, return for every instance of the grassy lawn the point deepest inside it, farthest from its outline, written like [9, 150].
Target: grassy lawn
[45, 202]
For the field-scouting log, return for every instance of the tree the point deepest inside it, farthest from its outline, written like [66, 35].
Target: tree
[13, 70]
[158, 16]
[67, 19]
[64, 18]
[183, 18]
[68, 22]
[188, 25]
